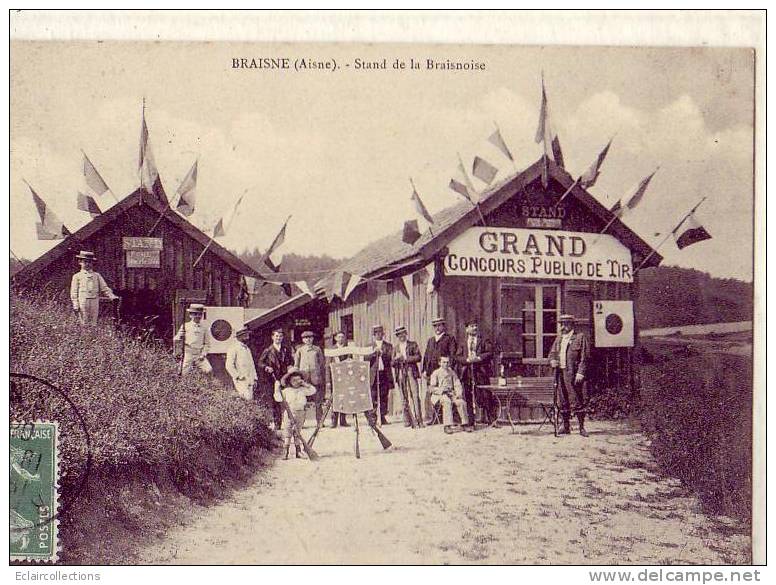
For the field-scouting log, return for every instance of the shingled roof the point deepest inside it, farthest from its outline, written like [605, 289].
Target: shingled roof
[391, 256]
[137, 197]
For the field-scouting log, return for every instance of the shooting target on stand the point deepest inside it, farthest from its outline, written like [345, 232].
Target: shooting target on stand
[222, 323]
[613, 322]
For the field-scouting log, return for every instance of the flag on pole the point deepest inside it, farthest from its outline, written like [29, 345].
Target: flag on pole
[224, 223]
[411, 233]
[692, 233]
[271, 258]
[50, 227]
[95, 186]
[338, 285]
[498, 141]
[461, 189]
[88, 204]
[353, 282]
[483, 170]
[419, 207]
[548, 137]
[150, 181]
[590, 176]
[638, 192]
[187, 192]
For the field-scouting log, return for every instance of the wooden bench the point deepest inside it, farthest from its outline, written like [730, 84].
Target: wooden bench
[525, 393]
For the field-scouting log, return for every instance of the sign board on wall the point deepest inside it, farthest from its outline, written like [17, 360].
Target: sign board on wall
[538, 253]
[142, 252]
[613, 322]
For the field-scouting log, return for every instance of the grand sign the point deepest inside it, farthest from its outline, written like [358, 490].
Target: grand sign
[539, 253]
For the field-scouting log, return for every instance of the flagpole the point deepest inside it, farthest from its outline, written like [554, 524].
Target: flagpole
[46, 204]
[671, 233]
[414, 190]
[116, 199]
[470, 185]
[569, 190]
[213, 237]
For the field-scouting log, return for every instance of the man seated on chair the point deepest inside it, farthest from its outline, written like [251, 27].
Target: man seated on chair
[446, 387]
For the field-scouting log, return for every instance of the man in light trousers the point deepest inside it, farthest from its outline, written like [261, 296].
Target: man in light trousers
[240, 365]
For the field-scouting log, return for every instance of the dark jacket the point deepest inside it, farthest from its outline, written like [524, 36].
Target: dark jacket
[482, 369]
[577, 353]
[277, 360]
[410, 363]
[435, 349]
[386, 377]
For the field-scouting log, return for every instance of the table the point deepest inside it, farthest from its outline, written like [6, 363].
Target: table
[524, 393]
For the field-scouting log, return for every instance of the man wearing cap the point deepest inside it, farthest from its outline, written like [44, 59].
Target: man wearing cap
[195, 337]
[380, 366]
[569, 354]
[405, 364]
[274, 362]
[240, 366]
[86, 288]
[309, 359]
[442, 343]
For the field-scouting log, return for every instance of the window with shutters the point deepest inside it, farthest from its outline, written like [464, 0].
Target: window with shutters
[528, 320]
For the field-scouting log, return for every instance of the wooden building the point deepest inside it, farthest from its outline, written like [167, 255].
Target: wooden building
[532, 260]
[147, 261]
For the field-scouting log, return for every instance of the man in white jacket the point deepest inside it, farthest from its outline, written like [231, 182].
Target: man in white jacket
[240, 365]
[86, 289]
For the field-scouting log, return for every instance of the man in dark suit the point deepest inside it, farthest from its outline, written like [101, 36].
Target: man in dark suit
[475, 363]
[405, 364]
[442, 343]
[273, 365]
[570, 354]
[380, 372]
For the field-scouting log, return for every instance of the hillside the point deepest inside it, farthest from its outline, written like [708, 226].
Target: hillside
[669, 295]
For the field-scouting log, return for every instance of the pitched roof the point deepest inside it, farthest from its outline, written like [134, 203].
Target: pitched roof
[137, 197]
[390, 254]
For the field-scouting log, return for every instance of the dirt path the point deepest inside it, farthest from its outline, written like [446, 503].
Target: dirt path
[484, 497]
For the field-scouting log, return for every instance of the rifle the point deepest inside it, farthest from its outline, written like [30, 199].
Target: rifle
[408, 401]
[319, 424]
[311, 454]
[380, 436]
[556, 401]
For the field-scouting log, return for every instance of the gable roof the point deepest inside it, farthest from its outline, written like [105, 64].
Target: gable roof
[137, 197]
[391, 255]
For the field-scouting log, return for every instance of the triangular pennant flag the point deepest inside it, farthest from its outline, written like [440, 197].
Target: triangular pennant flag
[406, 280]
[419, 207]
[340, 278]
[95, 185]
[498, 141]
[461, 189]
[410, 233]
[187, 192]
[88, 204]
[224, 223]
[271, 258]
[353, 282]
[590, 176]
[692, 232]
[432, 281]
[150, 181]
[50, 226]
[483, 170]
[304, 286]
[638, 192]
[546, 135]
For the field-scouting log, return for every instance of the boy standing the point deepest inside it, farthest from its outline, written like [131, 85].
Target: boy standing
[295, 390]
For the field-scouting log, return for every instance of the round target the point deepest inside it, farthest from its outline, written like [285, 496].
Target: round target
[221, 330]
[613, 324]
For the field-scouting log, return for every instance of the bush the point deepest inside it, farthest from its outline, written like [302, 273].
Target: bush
[697, 409]
[138, 410]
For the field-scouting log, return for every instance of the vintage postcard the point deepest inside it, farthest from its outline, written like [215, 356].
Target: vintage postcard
[374, 303]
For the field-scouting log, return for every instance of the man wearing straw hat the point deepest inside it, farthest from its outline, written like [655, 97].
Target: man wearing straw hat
[240, 366]
[569, 355]
[195, 338]
[87, 287]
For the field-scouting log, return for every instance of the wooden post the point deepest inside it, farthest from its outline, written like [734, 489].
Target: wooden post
[358, 450]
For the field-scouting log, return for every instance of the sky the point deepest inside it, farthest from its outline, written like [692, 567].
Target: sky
[336, 149]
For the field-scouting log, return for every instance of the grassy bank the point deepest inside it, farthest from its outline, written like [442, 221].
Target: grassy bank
[696, 406]
[157, 442]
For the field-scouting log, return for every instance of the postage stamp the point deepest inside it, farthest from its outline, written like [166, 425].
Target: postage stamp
[33, 491]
